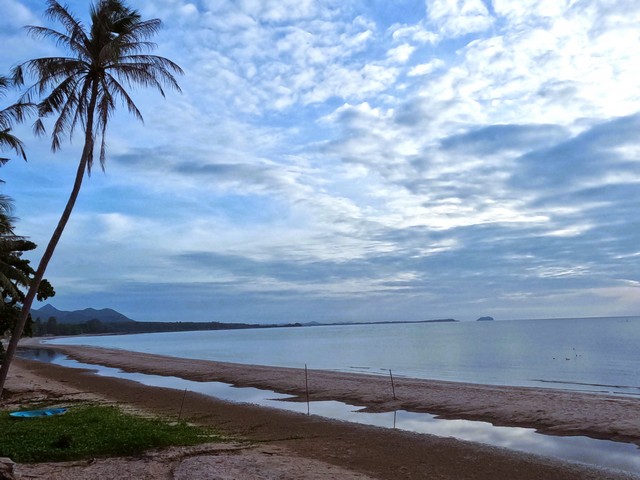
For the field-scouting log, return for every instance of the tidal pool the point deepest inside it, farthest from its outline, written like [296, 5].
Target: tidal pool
[601, 453]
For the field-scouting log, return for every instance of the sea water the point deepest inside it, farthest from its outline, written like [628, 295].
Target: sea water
[601, 453]
[589, 354]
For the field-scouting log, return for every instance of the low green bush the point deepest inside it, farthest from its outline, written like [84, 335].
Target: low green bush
[91, 431]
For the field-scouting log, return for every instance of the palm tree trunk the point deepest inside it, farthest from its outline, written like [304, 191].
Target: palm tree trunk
[55, 238]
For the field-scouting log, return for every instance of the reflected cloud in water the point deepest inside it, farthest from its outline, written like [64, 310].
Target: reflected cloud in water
[601, 453]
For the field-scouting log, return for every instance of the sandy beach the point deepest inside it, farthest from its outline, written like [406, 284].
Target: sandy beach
[333, 449]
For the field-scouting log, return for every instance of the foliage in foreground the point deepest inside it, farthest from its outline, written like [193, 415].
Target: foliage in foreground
[91, 431]
[16, 273]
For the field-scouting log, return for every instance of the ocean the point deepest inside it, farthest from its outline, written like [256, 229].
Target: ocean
[586, 354]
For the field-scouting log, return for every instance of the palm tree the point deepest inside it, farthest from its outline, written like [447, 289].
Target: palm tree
[9, 275]
[7, 238]
[15, 272]
[82, 90]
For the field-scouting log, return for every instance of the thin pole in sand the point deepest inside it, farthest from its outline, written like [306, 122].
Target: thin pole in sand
[182, 404]
[393, 387]
[306, 384]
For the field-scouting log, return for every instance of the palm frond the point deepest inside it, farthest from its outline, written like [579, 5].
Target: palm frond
[57, 98]
[153, 60]
[38, 128]
[141, 30]
[74, 26]
[136, 47]
[10, 115]
[49, 72]
[145, 74]
[61, 39]
[120, 91]
[12, 142]
[81, 99]
[15, 113]
[7, 287]
[104, 109]
[6, 206]
[63, 100]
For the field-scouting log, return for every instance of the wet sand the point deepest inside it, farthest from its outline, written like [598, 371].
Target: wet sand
[550, 411]
[370, 451]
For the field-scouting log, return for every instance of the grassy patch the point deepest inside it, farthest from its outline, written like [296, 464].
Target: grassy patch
[91, 431]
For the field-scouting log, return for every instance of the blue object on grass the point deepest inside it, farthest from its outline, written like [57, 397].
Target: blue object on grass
[47, 412]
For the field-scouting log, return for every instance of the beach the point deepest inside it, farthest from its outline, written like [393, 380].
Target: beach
[350, 449]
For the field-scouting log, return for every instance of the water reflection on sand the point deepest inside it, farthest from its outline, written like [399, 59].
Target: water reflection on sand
[602, 453]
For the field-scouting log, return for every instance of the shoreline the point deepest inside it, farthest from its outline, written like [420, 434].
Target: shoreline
[549, 411]
[275, 443]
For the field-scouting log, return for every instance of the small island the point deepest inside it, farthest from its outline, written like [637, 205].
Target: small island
[485, 319]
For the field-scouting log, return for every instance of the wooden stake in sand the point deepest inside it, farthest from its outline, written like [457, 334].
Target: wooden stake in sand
[182, 404]
[306, 384]
[393, 387]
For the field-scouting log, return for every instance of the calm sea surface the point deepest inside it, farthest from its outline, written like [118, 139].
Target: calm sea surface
[594, 354]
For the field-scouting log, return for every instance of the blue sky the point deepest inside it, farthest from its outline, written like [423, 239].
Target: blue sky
[343, 160]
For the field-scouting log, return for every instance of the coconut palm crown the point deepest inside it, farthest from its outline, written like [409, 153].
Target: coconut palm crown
[84, 88]
[82, 91]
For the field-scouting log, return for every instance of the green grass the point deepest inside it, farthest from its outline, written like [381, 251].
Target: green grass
[91, 431]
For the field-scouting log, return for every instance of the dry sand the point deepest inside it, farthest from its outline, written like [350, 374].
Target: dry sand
[294, 446]
[550, 411]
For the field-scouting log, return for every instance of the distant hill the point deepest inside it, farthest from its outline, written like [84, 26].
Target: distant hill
[81, 322]
[105, 315]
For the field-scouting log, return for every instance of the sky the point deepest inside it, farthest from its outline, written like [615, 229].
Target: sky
[354, 160]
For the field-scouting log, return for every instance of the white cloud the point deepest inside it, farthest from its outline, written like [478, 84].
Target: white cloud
[426, 68]
[401, 53]
[415, 33]
[347, 83]
[16, 15]
[274, 55]
[455, 18]
[16, 45]
[557, 71]
[280, 10]
[117, 227]
[528, 11]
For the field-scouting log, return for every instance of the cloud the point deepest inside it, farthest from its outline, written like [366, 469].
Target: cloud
[494, 139]
[530, 10]
[16, 46]
[416, 33]
[595, 156]
[425, 68]
[274, 55]
[401, 53]
[280, 11]
[456, 18]
[547, 66]
[359, 160]
[16, 15]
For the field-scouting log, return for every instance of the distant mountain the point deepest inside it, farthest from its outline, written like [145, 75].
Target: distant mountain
[105, 315]
[485, 319]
